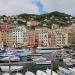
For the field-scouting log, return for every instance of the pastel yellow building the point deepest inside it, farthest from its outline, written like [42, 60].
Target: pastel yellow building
[64, 37]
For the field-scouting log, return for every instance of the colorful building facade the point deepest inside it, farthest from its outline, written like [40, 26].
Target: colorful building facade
[31, 39]
[6, 34]
[64, 36]
[51, 38]
[42, 36]
[19, 38]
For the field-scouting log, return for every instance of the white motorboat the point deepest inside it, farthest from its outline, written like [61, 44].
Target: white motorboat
[11, 58]
[48, 72]
[22, 52]
[18, 73]
[39, 72]
[41, 58]
[67, 59]
[65, 71]
[5, 73]
[47, 49]
[72, 69]
[43, 62]
[12, 68]
[29, 73]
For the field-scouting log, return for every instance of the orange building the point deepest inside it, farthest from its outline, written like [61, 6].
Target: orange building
[5, 35]
[0, 36]
[9, 39]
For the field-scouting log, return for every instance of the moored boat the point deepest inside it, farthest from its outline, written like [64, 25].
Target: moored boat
[47, 49]
[48, 72]
[39, 72]
[12, 68]
[11, 58]
[29, 73]
[72, 69]
[65, 71]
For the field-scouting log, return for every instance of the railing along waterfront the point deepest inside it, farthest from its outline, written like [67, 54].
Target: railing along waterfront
[16, 63]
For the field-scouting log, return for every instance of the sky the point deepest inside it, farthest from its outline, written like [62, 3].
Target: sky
[15, 7]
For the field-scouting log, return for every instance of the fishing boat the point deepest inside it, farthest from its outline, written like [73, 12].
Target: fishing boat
[12, 68]
[39, 72]
[48, 72]
[29, 73]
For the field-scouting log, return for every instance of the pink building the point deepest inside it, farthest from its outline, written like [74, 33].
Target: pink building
[51, 38]
[31, 39]
[42, 36]
[45, 37]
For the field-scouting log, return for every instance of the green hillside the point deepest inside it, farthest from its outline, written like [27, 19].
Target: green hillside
[44, 20]
[48, 19]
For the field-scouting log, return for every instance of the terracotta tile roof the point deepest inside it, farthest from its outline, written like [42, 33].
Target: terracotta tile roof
[7, 27]
[70, 28]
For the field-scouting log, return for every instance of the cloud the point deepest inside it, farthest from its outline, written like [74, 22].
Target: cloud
[66, 6]
[10, 7]
[39, 5]
[13, 7]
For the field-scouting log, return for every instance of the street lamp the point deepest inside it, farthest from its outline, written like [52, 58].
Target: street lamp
[9, 65]
[53, 56]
